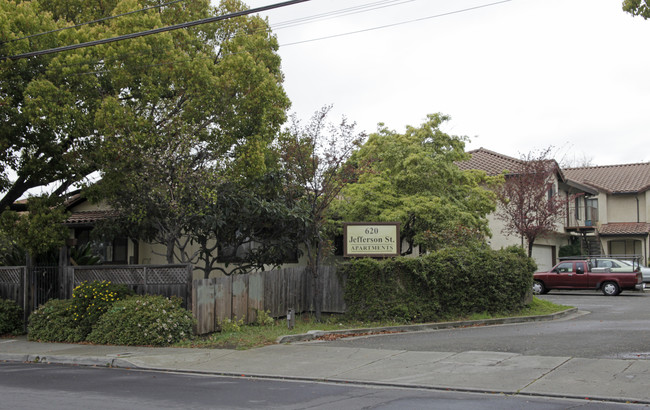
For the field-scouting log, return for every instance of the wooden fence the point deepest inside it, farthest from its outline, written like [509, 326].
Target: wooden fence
[12, 279]
[26, 287]
[240, 296]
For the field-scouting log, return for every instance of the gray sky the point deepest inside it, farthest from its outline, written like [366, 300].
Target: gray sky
[515, 77]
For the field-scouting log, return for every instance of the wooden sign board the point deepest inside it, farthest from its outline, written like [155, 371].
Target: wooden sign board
[371, 239]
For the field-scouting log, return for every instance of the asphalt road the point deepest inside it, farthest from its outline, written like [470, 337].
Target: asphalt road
[605, 327]
[41, 386]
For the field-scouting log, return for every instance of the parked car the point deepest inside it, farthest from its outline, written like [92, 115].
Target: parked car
[615, 265]
[645, 271]
[582, 274]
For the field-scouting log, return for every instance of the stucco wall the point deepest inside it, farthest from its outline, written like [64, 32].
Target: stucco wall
[626, 208]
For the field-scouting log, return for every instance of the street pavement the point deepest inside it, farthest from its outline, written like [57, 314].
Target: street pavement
[299, 358]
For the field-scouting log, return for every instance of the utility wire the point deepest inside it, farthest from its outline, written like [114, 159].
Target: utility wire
[362, 8]
[154, 31]
[320, 38]
[91, 22]
[396, 24]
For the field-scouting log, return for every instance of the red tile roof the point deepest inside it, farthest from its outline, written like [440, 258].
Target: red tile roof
[625, 228]
[88, 217]
[494, 163]
[491, 162]
[625, 178]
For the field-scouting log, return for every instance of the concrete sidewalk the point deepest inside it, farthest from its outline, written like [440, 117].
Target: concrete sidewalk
[492, 372]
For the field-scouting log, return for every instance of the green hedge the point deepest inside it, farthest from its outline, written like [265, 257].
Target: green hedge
[446, 283]
[90, 300]
[101, 312]
[54, 322]
[144, 320]
[11, 317]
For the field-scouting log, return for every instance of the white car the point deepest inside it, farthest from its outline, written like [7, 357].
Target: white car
[622, 265]
[645, 271]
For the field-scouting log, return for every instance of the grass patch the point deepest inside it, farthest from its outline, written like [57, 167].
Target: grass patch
[538, 307]
[250, 336]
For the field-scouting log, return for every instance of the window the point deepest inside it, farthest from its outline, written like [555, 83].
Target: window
[565, 267]
[591, 211]
[551, 192]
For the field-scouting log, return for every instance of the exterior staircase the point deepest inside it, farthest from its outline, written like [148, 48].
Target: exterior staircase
[591, 245]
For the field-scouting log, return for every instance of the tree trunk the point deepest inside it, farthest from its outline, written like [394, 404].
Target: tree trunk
[313, 258]
[170, 252]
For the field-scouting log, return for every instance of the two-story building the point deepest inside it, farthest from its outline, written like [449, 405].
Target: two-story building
[546, 247]
[615, 221]
[609, 215]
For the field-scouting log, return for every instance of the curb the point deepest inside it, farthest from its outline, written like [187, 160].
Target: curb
[314, 334]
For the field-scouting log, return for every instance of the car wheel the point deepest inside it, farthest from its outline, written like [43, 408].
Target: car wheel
[539, 288]
[610, 289]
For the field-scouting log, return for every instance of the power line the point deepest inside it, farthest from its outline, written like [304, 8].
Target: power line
[397, 24]
[321, 38]
[278, 26]
[91, 22]
[154, 31]
[363, 8]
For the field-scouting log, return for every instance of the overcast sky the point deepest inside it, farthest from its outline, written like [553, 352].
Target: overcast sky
[515, 77]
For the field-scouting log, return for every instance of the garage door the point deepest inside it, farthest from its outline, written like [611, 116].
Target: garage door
[543, 255]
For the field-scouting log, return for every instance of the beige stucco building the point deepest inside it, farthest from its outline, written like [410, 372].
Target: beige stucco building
[610, 214]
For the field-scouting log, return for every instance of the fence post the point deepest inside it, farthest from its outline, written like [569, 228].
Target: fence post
[146, 280]
[188, 292]
[26, 310]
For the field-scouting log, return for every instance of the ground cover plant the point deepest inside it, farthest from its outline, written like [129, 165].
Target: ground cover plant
[251, 336]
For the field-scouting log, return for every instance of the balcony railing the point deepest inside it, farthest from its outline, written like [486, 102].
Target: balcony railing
[582, 217]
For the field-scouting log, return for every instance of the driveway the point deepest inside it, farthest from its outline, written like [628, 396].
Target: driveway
[604, 327]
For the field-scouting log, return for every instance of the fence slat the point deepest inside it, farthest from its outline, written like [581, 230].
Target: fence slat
[239, 296]
[223, 298]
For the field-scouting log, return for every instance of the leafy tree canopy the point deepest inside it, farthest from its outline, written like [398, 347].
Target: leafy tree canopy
[40, 231]
[413, 180]
[162, 119]
[637, 8]
[67, 114]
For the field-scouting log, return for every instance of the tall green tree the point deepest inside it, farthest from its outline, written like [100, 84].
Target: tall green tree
[168, 116]
[70, 114]
[637, 8]
[46, 110]
[315, 158]
[413, 180]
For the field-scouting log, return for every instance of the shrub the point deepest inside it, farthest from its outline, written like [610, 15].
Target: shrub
[230, 325]
[11, 317]
[448, 282]
[143, 320]
[54, 322]
[264, 318]
[91, 300]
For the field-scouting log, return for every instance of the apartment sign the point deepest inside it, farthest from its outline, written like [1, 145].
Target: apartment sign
[371, 239]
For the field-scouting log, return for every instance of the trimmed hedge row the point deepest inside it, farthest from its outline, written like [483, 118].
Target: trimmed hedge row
[449, 282]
